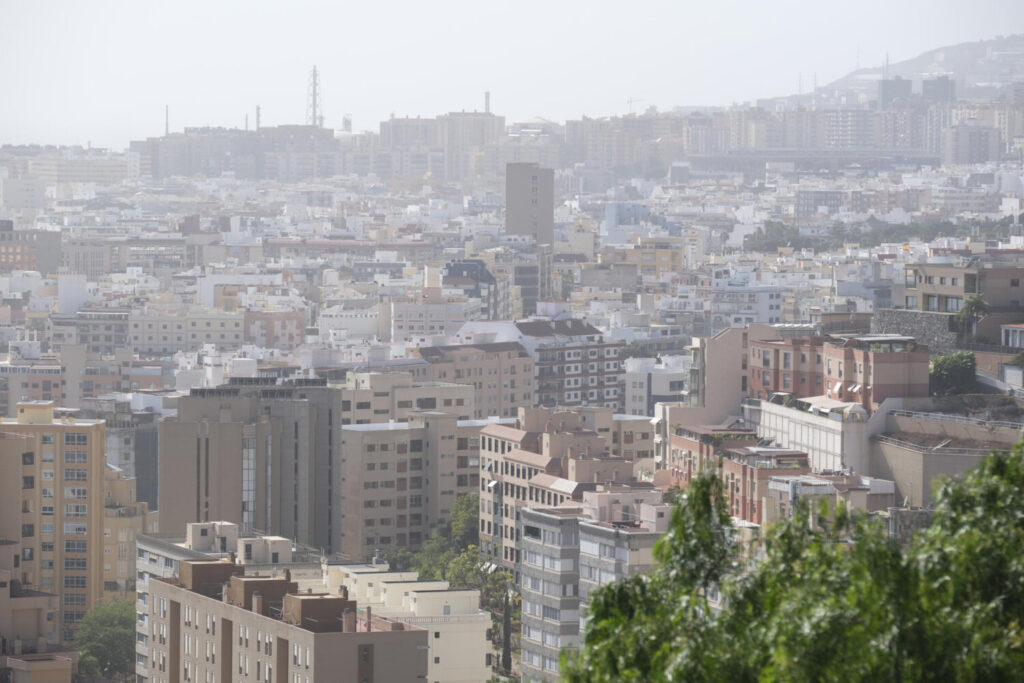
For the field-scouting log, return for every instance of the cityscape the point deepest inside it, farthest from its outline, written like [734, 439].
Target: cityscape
[677, 392]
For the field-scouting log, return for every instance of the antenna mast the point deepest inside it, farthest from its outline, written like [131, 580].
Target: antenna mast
[314, 111]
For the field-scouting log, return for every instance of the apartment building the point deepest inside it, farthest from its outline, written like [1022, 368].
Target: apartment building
[282, 329]
[574, 364]
[692, 448]
[653, 257]
[216, 624]
[546, 458]
[460, 651]
[124, 518]
[649, 381]
[31, 636]
[930, 295]
[100, 330]
[855, 491]
[374, 397]
[60, 494]
[548, 543]
[871, 368]
[792, 366]
[500, 373]
[29, 249]
[398, 479]
[568, 552]
[29, 379]
[433, 313]
[746, 471]
[131, 440]
[718, 383]
[169, 330]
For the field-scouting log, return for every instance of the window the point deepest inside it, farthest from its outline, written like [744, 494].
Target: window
[74, 474]
[77, 457]
[76, 439]
[1015, 282]
[74, 564]
[28, 482]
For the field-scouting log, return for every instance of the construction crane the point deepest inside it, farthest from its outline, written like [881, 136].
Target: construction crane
[631, 101]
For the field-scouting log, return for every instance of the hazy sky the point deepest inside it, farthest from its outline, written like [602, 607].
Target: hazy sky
[101, 71]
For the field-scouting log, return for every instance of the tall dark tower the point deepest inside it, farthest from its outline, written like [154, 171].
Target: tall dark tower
[314, 111]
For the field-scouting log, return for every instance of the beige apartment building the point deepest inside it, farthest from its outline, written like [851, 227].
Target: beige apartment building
[27, 620]
[430, 314]
[653, 257]
[500, 373]
[169, 330]
[372, 397]
[460, 651]
[398, 479]
[215, 624]
[57, 478]
[124, 518]
[548, 457]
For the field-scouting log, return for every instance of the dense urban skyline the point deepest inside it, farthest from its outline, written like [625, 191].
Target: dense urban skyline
[103, 73]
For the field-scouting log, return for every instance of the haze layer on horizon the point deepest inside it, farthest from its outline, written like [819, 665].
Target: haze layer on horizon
[100, 73]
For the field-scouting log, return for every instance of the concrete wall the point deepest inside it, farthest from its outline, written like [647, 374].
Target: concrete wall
[955, 430]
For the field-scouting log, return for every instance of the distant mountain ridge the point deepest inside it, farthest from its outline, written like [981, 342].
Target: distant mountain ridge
[981, 69]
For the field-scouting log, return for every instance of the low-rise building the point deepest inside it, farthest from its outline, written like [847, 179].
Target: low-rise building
[216, 623]
[460, 651]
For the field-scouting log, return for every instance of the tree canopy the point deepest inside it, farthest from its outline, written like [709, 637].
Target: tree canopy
[953, 374]
[106, 640]
[829, 597]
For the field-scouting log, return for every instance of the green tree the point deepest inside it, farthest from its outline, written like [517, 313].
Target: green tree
[465, 521]
[106, 640]
[635, 350]
[506, 637]
[974, 309]
[953, 374]
[829, 598]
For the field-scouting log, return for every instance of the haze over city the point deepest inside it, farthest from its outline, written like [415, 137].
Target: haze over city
[493, 342]
[102, 72]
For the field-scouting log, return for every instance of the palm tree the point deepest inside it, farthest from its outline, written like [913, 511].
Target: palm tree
[974, 309]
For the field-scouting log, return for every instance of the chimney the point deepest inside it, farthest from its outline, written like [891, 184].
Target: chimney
[487, 102]
[348, 621]
[257, 603]
[369, 618]
[224, 592]
[287, 574]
